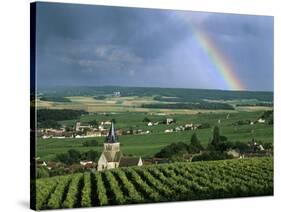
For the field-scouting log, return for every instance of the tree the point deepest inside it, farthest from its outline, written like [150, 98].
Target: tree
[243, 147]
[57, 171]
[146, 119]
[92, 155]
[63, 157]
[195, 145]
[74, 155]
[173, 149]
[216, 137]
[223, 138]
[207, 156]
[94, 123]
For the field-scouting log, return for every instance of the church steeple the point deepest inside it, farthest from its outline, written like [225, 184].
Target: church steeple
[111, 138]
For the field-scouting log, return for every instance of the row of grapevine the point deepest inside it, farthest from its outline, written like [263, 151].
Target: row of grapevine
[72, 196]
[44, 190]
[149, 193]
[86, 192]
[101, 191]
[132, 195]
[155, 184]
[117, 195]
[176, 189]
[58, 195]
[158, 183]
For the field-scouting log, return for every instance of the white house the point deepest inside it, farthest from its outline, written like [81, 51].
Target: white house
[189, 125]
[260, 120]
[85, 162]
[169, 121]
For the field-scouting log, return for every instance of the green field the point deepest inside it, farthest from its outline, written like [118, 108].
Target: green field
[128, 113]
[157, 183]
[148, 145]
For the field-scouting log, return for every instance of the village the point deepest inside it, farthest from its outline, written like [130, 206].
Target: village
[81, 130]
[112, 157]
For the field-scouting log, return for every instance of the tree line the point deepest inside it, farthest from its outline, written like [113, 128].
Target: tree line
[215, 150]
[198, 105]
[47, 118]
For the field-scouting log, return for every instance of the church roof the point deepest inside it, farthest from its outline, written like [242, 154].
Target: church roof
[112, 157]
[129, 161]
[111, 138]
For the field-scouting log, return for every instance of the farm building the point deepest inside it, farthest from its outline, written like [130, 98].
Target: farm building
[130, 161]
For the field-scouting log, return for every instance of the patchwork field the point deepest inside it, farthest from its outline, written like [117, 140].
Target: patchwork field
[133, 104]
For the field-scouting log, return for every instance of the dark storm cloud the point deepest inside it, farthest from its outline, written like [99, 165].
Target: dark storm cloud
[97, 45]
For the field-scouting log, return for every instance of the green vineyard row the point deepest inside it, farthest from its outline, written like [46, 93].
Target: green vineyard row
[158, 183]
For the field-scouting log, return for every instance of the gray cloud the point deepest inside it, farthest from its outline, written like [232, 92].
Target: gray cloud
[99, 45]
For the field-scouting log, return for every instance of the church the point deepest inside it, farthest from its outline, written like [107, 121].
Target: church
[111, 156]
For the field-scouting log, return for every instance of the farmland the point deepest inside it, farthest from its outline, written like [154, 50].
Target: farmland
[158, 183]
[149, 144]
[139, 99]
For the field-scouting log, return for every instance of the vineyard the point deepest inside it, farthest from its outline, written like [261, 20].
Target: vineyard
[158, 183]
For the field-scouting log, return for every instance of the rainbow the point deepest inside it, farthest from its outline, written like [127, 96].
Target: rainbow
[223, 67]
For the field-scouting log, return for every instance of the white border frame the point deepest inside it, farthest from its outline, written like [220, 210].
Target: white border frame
[14, 124]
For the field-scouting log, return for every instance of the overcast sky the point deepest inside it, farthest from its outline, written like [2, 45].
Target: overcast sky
[97, 45]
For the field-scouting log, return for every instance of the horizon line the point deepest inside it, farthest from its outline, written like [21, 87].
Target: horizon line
[129, 86]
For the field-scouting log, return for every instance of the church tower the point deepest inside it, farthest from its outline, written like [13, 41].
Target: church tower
[111, 154]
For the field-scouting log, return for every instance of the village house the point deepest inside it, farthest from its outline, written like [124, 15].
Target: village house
[168, 130]
[117, 93]
[53, 165]
[189, 125]
[55, 133]
[85, 162]
[105, 123]
[41, 163]
[169, 121]
[79, 127]
[93, 133]
[89, 166]
[260, 120]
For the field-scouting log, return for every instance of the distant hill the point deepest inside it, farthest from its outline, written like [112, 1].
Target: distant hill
[178, 94]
